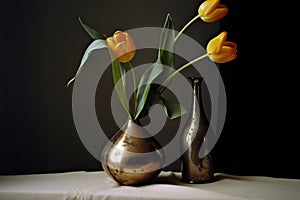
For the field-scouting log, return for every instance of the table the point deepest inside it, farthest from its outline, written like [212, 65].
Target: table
[83, 185]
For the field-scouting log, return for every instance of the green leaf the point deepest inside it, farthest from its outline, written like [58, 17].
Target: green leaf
[118, 72]
[172, 109]
[153, 98]
[144, 86]
[166, 54]
[94, 34]
[97, 44]
[157, 71]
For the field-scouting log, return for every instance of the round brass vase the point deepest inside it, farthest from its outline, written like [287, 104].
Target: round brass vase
[132, 156]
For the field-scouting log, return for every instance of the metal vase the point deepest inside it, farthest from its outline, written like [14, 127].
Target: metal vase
[132, 156]
[194, 168]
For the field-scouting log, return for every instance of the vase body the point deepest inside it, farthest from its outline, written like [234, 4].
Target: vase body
[132, 156]
[194, 167]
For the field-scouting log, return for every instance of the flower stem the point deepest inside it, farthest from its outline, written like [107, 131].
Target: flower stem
[185, 27]
[134, 83]
[161, 87]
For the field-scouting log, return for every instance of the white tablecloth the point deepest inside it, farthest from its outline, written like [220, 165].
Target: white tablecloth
[83, 185]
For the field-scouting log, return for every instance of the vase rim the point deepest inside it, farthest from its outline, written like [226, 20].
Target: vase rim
[195, 77]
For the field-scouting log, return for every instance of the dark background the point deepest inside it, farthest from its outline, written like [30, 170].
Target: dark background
[42, 43]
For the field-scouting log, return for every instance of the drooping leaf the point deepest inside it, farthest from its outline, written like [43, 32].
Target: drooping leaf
[172, 109]
[118, 72]
[96, 44]
[94, 34]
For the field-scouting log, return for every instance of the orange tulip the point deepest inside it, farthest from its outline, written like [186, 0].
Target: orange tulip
[219, 50]
[121, 45]
[212, 10]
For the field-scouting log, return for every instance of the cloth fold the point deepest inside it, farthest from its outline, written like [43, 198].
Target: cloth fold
[82, 185]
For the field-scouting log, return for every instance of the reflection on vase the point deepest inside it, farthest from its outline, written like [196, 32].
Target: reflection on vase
[132, 156]
[194, 167]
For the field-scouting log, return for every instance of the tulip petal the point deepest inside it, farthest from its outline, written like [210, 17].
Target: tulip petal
[230, 44]
[207, 7]
[215, 44]
[225, 55]
[119, 36]
[215, 15]
[110, 42]
[121, 46]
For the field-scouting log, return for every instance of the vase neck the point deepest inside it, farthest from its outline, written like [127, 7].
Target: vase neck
[196, 84]
[198, 98]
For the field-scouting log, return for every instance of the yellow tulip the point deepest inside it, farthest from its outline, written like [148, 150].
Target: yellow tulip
[122, 46]
[219, 50]
[212, 10]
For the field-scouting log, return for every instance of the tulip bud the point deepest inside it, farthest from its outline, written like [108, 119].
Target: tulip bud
[121, 45]
[212, 10]
[219, 50]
